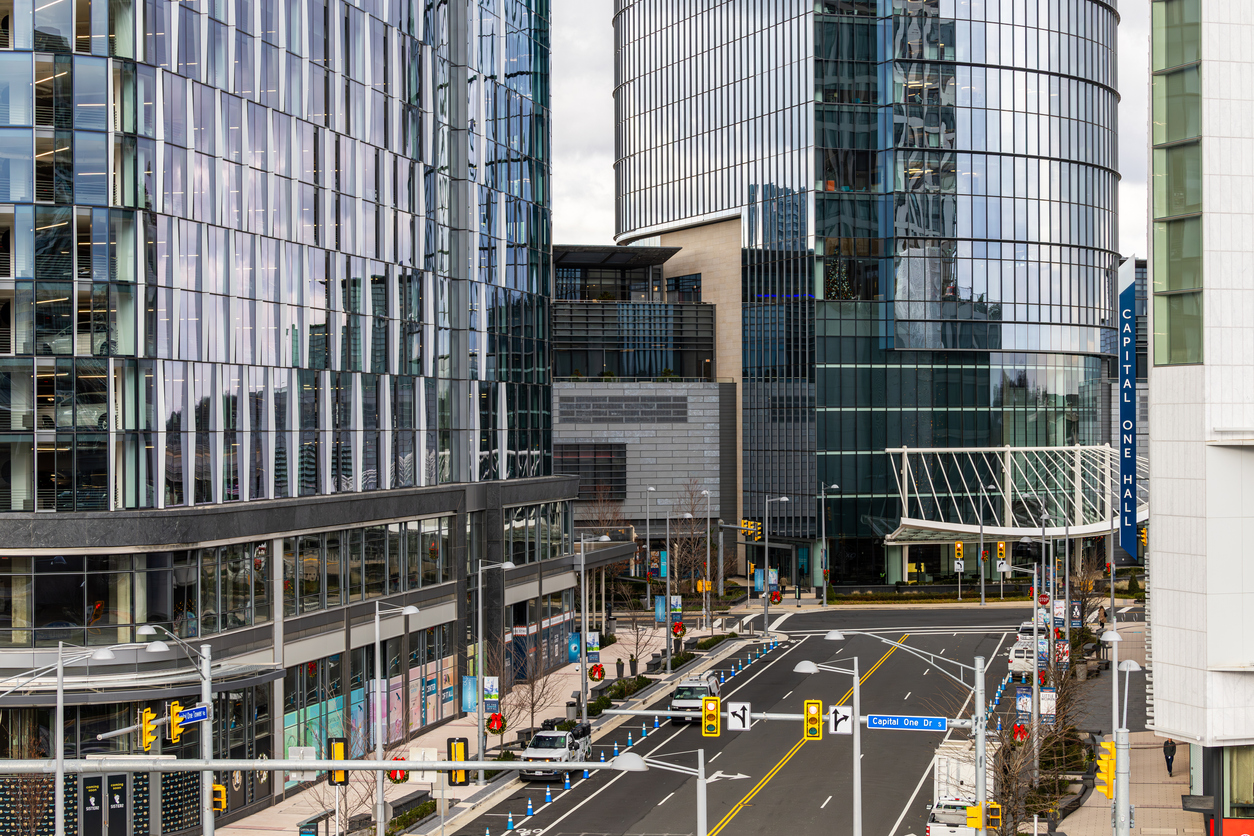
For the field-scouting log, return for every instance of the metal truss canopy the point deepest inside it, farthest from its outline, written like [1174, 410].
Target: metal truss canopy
[947, 492]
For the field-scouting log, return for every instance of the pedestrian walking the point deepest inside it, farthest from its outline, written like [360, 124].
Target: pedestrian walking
[1169, 753]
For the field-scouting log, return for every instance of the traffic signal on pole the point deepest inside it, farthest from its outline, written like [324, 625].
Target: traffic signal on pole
[147, 731]
[457, 748]
[812, 715]
[710, 716]
[337, 748]
[219, 798]
[975, 816]
[1001, 550]
[176, 721]
[992, 815]
[1106, 770]
[958, 551]
[1145, 536]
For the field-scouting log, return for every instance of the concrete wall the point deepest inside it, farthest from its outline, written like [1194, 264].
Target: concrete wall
[671, 431]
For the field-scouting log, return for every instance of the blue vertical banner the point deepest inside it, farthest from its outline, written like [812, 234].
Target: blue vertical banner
[662, 564]
[1127, 407]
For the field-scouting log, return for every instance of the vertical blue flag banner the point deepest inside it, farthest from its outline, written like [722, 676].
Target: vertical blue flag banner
[1127, 408]
[659, 609]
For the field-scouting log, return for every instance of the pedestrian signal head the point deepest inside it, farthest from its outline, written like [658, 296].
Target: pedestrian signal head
[219, 798]
[1105, 780]
[812, 715]
[337, 748]
[457, 748]
[975, 817]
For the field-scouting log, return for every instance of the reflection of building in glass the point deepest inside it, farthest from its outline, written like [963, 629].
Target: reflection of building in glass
[274, 289]
[923, 197]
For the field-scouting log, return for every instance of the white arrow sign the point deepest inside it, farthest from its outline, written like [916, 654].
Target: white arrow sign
[721, 775]
[738, 716]
[840, 720]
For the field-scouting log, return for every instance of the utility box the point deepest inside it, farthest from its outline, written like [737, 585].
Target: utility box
[954, 775]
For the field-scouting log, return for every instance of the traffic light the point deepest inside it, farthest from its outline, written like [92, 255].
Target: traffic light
[219, 798]
[975, 816]
[710, 716]
[1145, 537]
[992, 815]
[176, 721]
[1105, 781]
[812, 716]
[457, 748]
[147, 731]
[336, 749]
[1001, 549]
[958, 551]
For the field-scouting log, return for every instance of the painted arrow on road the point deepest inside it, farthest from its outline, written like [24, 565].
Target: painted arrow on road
[721, 775]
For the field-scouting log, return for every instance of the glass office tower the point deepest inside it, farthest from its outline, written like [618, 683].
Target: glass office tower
[274, 285]
[925, 193]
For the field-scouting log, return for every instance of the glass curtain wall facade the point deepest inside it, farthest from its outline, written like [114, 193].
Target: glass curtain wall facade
[926, 191]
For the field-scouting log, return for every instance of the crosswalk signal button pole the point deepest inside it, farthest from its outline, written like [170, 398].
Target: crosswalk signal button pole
[813, 719]
[710, 716]
[1106, 770]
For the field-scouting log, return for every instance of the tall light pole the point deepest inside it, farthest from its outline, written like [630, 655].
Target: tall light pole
[766, 561]
[808, 667]
[583, 624]
[978, 715]
[1036, 669]
[1113, 638]
[205, 657]
[481, 667]
[823, 489]
[380, 803]
[648, 544]
[705, 601]
[981, 516]
[631, 762]
[1050, 611]
[670, 570]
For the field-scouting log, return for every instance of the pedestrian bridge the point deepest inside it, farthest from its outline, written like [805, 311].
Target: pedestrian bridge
[948, 492]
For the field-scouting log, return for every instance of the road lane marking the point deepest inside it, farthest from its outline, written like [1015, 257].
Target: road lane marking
[824, 804]
[926, 672]
[664, 800]
[675, 734]
[740, 805]
[1124, 610]
[786, 696]
[907, 696]
[775, 624]
[716, 754]
[932, 763]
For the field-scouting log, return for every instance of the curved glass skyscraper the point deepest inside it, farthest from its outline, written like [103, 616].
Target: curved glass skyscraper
[923, 193]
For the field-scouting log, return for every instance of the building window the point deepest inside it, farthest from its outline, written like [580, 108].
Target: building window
[601, 468]
[1177, 328]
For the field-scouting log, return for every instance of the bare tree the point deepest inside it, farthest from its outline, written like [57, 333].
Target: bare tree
[28, 796]
[534, 693]
[688, 537]
[357, 797]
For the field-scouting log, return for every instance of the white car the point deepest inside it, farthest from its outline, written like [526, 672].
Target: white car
[82, 410]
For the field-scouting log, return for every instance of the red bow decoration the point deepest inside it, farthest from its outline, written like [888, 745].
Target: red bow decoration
[495, 723]
[776, 597]
[398, 776]
[678, 629]
[596, 673]
[1020, 732]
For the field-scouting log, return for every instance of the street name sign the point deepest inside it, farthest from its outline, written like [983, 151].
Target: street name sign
[194, 715]
[906, 723]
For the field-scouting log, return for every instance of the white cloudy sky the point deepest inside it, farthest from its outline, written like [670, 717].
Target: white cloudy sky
[583, 123]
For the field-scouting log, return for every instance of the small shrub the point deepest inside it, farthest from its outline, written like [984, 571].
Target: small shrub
[712, 641]
[504, 756]
[606, 641]
[411, 816]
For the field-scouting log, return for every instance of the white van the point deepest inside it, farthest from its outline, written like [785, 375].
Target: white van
[1021, 658]
[689, 693]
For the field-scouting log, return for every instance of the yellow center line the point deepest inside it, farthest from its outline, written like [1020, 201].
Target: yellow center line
[740, 805]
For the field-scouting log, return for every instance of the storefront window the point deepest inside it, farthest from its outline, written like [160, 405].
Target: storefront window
[1240, 782]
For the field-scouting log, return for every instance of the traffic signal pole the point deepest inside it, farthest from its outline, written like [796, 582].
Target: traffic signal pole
[702, 828]
[206, 741]
[1123, 813]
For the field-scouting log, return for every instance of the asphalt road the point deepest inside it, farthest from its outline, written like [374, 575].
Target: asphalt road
[766, 780]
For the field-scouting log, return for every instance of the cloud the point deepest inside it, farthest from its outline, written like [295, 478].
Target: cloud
[1134, 47]
[583, 121]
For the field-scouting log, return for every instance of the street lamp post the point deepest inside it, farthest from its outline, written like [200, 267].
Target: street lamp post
[1036, 670]
[807, 667]
[1123, 766]
[205, 659]
[705, 601]
[380, 708]
[981, 516]
[583, 624]
[666, 605]
[631, 762]
[978, 715]
[1050, 611]
[648, 544]
[766, 560]
[481, 668]
[823, 522]
[1113, 638]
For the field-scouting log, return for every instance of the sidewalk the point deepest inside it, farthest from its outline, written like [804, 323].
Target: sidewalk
[1155, 796]
[285, 816]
